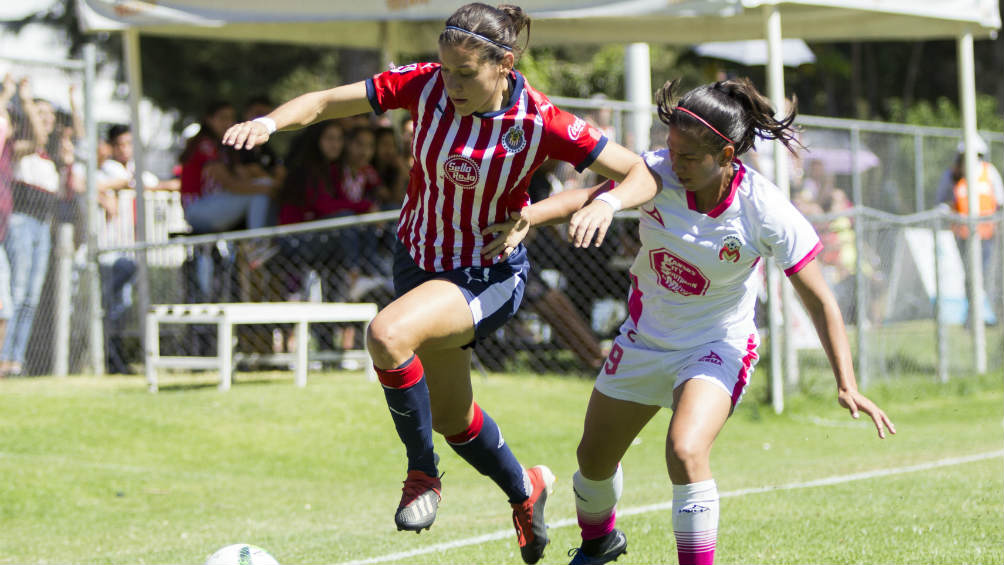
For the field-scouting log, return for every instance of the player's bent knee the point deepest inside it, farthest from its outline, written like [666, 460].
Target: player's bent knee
[384, 339]
[687, 454]
[592, 462]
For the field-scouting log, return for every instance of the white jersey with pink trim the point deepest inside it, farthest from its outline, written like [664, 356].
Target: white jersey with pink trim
[695, 279]
[473, 171]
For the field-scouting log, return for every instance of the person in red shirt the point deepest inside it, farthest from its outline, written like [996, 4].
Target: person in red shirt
[391, 165]
[215, 194]
[310, 190]
[480, 132]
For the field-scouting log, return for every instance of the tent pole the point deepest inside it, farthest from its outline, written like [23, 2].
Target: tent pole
[134, 77]
[782, 344]
[96, 341]
[967, 104]
[389, 49]
[638, 84]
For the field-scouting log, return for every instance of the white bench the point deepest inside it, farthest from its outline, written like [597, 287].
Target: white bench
[226, 315]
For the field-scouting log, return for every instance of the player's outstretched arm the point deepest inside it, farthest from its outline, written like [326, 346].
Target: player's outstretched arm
[554, 209]
[637, 185]
[338, 102]
[825, 313]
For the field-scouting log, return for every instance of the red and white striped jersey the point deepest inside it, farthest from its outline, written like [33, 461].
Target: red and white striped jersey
[472, 171]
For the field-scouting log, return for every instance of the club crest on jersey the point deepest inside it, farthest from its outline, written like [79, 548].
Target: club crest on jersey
[730, 249]
[514, 140]
[461, 171]
[676, 274]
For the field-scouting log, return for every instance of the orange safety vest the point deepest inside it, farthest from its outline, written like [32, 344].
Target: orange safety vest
[985, 198]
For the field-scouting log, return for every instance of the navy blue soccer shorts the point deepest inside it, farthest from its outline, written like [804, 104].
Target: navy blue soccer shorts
[493, 293]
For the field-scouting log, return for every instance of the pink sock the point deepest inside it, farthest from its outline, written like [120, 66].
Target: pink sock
[595, 502]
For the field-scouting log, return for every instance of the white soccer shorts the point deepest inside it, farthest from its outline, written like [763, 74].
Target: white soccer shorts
[649, 376]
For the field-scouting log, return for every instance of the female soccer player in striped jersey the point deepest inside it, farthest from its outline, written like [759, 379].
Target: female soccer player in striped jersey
[690, 341]
[480, 132]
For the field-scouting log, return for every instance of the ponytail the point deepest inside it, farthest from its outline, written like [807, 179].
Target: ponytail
[730, 111]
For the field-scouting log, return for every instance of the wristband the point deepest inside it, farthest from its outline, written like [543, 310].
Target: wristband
[610, 199]
[268, 122]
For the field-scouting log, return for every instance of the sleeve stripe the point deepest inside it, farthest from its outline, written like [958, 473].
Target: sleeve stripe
[808, 257]
[591, 158]
[371, 95]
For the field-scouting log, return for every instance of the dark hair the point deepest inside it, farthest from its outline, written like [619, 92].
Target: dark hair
[384, 131]
[115, 131]
[734, 107]
[204, 130]
[355, 132]
[501, 26]
[306, 164]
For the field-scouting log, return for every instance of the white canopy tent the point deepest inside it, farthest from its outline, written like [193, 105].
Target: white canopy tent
[414, 25]
[753, 52]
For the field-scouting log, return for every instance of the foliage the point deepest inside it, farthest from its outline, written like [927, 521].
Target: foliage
[189, 74]
[582, 72]
[944, 112]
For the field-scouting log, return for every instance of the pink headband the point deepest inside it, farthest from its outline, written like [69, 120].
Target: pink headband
[705, 122]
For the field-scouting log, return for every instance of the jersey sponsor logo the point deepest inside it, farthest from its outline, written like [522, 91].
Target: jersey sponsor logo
[730, 249]
[575, 129]
[404, 68]
[461, 171]
[711, 357]
[514, 140]
[677, 275]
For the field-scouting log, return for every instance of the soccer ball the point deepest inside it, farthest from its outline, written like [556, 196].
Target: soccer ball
[241, 554]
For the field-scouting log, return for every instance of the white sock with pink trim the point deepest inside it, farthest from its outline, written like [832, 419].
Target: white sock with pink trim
[695, 522]
[595, 502]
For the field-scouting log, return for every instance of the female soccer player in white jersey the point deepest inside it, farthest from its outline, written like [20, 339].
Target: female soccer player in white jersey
[690, 341]
[480, 132]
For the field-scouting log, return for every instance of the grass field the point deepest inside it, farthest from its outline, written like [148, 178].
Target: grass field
[99, 471]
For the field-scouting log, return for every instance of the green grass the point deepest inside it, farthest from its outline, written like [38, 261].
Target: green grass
[100, 471]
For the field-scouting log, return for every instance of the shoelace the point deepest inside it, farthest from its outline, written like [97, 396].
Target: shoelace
[415, 487]
[523, 513]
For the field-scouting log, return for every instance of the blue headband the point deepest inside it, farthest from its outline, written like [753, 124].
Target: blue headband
[481, 37]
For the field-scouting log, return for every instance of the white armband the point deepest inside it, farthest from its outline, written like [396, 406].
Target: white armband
[610, 199]
[268, 122]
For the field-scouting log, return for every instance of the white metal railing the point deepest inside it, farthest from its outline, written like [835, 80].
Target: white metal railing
[164, 216]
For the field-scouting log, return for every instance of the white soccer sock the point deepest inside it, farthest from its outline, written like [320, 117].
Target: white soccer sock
[595, 502]
[695, 522]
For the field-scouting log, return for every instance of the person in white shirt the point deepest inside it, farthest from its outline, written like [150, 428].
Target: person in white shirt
[689, 343]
